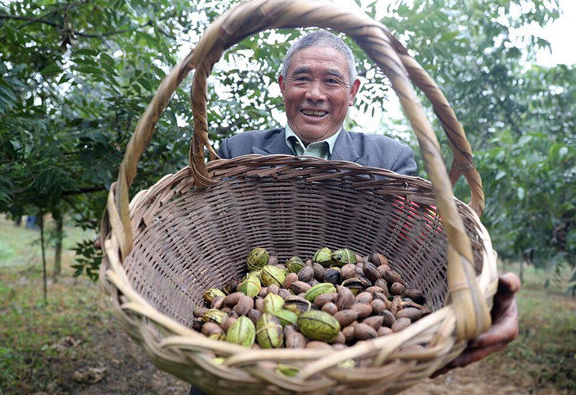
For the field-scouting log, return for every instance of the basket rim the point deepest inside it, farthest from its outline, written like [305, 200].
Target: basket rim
[180, 339]
[187, 339]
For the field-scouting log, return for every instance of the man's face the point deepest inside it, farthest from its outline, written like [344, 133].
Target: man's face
[317, 92]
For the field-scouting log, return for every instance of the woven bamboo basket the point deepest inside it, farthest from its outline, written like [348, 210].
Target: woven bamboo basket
[192, 230]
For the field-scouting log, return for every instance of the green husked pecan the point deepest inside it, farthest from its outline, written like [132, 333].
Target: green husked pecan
[318, 325]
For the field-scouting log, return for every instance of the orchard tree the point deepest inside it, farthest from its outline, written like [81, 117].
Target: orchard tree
[76, 77]
[519, 117]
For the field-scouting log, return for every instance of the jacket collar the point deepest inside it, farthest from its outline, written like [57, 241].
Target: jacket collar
[275, 145]
[344, 148]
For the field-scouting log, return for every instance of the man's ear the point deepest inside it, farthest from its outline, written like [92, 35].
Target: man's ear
[354, 88]
[281, 83]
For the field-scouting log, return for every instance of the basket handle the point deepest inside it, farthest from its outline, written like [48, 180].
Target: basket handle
[462, 163]
[247, 18]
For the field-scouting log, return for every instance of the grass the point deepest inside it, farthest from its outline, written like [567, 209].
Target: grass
[34, 334]
[545, 351]
[21, 246]
[37, 339]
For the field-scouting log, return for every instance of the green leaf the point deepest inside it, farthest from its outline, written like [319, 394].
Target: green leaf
[51, 70]
[90, 70]
[86, 52]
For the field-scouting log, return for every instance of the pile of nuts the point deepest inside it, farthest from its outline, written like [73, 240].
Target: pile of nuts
[334, 299]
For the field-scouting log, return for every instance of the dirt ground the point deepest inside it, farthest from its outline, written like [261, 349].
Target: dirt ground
[113, 364]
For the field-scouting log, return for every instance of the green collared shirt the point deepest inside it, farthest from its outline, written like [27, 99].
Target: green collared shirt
[319, 149]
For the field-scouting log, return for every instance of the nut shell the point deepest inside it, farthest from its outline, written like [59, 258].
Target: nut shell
[364, 332]
[411, 313]
[244, 305]
[384, 330]
[346, 317]
[378, 306]
[354, 284]
[295, 340]
[374, 321]
[242, 332]
[210, 328]
[347, 271]
[345, 298]
[348, 333]
[323, 256]
[319, 325]
[330, 308]
[269, 332]
[363, 297]
[272, 303]
[297, 304]
[299, 287]
[200, 311]
[323, 299]
[233, 298]
[332, 276]
[343, 257]
[392, 276]
[290, 278]
[318, 271]
[363, 309]
[250, 287]
[257, 258]
[211, 294]
[374, 259]
[397, 288]
[272, 275]
[416, 295]
[319, 289]
[286, 317]
[306, 274]
[371, 272]
[214, 315]
[400, 324]
[254, 315]
[295, 264]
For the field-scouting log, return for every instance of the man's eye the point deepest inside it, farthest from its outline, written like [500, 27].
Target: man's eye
[331, 81]
[302, 78]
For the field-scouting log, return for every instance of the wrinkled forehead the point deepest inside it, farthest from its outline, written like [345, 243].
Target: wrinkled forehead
[326, 60]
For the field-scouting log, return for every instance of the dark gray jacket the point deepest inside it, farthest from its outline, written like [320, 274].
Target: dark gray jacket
[364, 149]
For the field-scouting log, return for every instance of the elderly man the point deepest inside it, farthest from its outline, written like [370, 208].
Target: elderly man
[318, 84]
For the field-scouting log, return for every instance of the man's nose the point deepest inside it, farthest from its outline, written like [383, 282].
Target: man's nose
[315, 91]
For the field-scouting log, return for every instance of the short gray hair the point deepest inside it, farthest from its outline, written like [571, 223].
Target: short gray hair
[321, 38]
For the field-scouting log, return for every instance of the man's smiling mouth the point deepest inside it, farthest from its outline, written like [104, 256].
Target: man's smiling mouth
[314, 113]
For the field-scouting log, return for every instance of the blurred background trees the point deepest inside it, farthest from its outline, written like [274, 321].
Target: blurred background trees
[77, 75]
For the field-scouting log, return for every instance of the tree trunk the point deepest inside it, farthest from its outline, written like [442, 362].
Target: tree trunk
[58, 248]
[44, 280]
[521, 274]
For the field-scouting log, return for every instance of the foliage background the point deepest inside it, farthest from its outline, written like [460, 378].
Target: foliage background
[77, 75]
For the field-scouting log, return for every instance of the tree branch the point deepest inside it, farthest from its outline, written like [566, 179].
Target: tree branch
[102, 35]
[79, 212]
[30, 20]
[81, 191]
[82, 34]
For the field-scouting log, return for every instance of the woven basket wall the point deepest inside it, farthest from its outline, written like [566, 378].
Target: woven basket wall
[192, 231]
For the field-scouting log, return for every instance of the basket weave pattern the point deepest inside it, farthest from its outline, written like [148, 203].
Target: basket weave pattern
[192, 230]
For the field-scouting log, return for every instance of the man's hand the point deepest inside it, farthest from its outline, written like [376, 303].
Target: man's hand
[504, 327]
